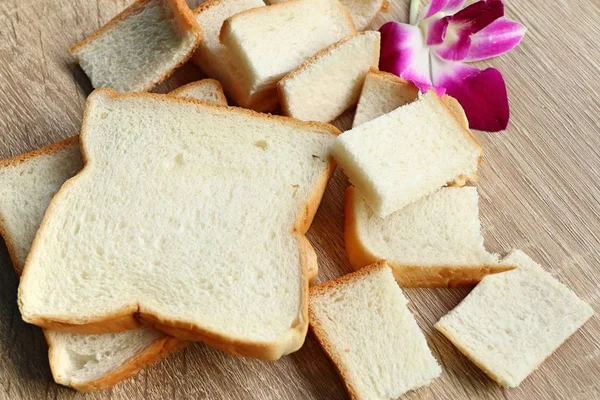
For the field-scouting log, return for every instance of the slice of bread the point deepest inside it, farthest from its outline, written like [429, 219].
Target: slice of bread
[511, 322]
[268, 42]
[196, 229]
[361, 11]
[140, 47]
[383, 92]
[329, 83]
[433, 242]
[27, 184]
[407, 154]
[364, 325]
[214, 59]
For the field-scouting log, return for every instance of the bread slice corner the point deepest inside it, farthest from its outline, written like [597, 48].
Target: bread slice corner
[328, 83]
[120, 55]
[433, 242]
[512, 321]
[365, 327]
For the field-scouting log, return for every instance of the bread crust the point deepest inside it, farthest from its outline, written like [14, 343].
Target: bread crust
[126, 317]
[12, 162]
[181, 12]
[158, 350]
[410, 275]
[283, 100]
[321, 334]
[203, 82]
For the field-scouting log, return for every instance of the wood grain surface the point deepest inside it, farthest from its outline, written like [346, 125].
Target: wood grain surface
[539, 189]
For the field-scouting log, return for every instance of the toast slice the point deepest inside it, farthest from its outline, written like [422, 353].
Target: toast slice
[511, 322]
[407, 154]
[27, 184]
[214, 59]
[140, 47]
[433, 242]
[197, 229]
[361, 11]
[364, 325]
[329, 83]
[266, 43]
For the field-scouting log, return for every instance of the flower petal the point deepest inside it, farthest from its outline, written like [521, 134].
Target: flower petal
[482, 94]
[477, 16]
[499, 37]
[448, 7]
[462, 25]
[403, 54]
[436, 31]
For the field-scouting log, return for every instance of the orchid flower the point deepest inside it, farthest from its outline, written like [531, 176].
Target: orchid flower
[431, 51]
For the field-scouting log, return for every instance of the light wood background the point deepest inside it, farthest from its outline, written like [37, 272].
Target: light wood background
[539, 191]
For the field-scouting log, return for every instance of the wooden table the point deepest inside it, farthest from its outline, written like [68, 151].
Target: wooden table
[539, 189]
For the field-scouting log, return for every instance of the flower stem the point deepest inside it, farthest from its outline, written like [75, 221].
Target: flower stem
[414, 11]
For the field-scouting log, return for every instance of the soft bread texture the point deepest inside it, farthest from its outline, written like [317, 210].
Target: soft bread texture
[140, 47]
[361, 11]
[158, 208]
[27, 184]
[214, 59]
[266, 43]
[407, 154]
[363, 323]
[511, 322]
[433, 242]
[383, 92]
[329, 83]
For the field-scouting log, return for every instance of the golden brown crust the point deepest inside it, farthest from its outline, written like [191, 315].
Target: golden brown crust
[158, 350]
[122, 320]
[181, 12]
[13, 162]
[385, 6]
[204, 82]
[410, 275]
[321, 334]
[125, 318]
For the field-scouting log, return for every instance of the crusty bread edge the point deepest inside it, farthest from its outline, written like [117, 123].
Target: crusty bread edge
[203, 82]
[13, 162]
[125, 318]
[410, 275]
[158, 350]
[181, 12]
[321, 334]
[282, 95]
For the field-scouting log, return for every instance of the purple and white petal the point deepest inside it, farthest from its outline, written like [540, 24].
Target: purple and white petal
[435, 31]
[448, 7]
[499, 37]
[482, 94]
[403, 53]
[477, 16]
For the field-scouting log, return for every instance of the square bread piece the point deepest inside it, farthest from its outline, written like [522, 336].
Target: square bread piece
[140, 47]
[433, 242]
[407, 154]
[361, 11]
[364, 325]
[511, 322]
[27, 184]
[329, 83]
[268, 42]
[214, 59]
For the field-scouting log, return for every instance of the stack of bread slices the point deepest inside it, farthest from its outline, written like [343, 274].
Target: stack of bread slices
[175, 217]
